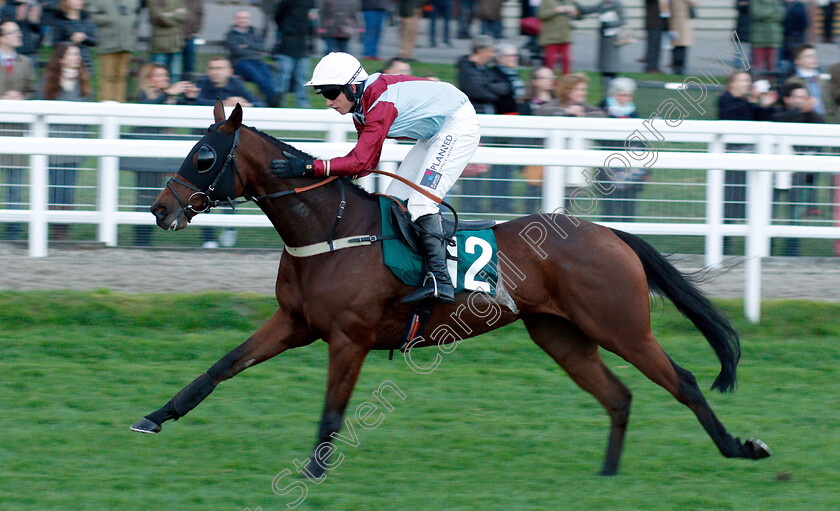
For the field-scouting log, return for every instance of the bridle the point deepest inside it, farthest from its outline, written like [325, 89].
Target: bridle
[202, 201]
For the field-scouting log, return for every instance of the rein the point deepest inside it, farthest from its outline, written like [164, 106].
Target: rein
[201, 202]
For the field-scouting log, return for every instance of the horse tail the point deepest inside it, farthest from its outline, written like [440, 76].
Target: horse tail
[664, 279]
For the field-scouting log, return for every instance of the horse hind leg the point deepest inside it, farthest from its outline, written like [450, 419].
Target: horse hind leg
[579, 357]
[649, 357]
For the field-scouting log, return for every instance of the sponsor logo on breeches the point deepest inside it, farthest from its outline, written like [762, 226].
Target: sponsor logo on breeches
[431, 176]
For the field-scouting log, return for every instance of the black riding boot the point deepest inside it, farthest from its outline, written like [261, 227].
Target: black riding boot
[437, 283]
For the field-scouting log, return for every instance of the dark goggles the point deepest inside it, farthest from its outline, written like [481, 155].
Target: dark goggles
[330, 92]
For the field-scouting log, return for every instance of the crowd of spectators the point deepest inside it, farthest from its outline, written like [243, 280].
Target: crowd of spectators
[58, 49]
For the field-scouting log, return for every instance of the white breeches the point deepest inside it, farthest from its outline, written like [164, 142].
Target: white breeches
[436, 163]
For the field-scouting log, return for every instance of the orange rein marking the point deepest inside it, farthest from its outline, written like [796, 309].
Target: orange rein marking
[412, 184]
[316, 185]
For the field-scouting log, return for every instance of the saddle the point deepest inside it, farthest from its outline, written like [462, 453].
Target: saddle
[406, 229]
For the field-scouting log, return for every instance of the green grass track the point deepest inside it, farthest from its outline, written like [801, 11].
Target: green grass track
[497, 426]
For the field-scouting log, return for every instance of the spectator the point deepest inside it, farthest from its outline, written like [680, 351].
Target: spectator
[797, 106]
[66, 79]
[571, 93]
[374, 13]
[466, 13]
[479, 81]
[219, 82]
[556, 33]
[507, 67]
[292, 47]
[806, 70]
[766, 33]
[501, 176]
[246, 52]
[620, 203]
[116, 22]
[49, 9]
[795, 29]
[619, 101]
[681, 13]
[657, 13]
[397, 66]
[338, 24]
[192, 27]
[74, 25]
[409, 26]
[17, 81]
[539, 91]
[168, 18]
[440, 9]
[540, 88]
[742, 101]
[490, 14]
[154, 87]
[742, 22]
[28, 17]
[611, 15]
[828, 19]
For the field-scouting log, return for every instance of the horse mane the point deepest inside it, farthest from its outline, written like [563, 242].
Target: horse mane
[283, 146]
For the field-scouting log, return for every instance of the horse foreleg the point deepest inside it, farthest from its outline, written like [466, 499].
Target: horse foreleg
[276, 336]
[346, 358]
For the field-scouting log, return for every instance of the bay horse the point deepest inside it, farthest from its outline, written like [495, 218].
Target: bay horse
[576, 285]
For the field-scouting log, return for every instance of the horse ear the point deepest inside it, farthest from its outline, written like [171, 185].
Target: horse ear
[235, 119]
[219, 110]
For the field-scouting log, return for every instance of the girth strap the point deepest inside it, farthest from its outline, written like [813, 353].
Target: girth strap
[341, 243]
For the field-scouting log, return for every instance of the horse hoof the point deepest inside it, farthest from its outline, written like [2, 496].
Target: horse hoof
[144, 425]
[760, 449]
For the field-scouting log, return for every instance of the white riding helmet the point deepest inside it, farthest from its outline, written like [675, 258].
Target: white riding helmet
[337, 68]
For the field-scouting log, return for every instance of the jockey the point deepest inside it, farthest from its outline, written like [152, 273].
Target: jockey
[435, 114]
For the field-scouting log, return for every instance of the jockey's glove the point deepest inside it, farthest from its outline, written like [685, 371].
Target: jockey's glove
[292, 166]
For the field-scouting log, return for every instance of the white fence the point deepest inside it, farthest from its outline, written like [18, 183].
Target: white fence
[696, 146]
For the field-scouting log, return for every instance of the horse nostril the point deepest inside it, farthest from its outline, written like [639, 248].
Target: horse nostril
[159, 210]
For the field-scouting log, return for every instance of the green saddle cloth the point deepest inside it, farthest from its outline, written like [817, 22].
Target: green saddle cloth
[476, 251]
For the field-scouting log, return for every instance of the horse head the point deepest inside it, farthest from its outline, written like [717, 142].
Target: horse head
[209, 175]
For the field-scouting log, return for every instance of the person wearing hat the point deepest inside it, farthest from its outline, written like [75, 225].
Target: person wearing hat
[436, 114]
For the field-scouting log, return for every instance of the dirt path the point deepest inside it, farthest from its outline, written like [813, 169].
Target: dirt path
[194, 270]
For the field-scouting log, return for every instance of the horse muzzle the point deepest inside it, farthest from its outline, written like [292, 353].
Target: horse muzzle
[170, 219]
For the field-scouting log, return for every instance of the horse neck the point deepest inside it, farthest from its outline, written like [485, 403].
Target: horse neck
[308, 217]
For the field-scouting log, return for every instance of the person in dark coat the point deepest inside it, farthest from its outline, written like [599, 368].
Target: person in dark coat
[28, 17]
[795, 26]
[656, 23]
[219, 82]
[245, 46]
[292, 50]
[797, 106]
[742, 101]
[476, 77]
[74, 25]
[742, 22]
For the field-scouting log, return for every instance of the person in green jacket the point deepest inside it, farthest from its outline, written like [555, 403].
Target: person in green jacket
[116, 23]
[168, 18]
[556, 32]
[766, 33]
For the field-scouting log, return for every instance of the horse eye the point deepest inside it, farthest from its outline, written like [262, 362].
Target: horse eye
[206, 158]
